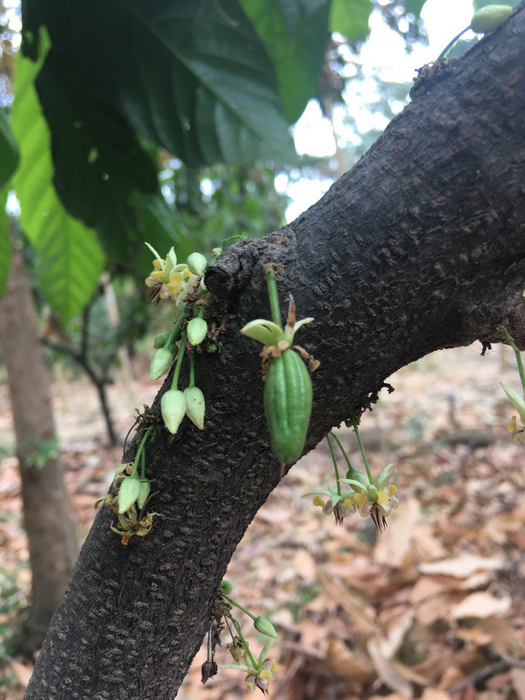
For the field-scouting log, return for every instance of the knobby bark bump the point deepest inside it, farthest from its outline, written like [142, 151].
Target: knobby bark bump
[47, 512]
[420, 247]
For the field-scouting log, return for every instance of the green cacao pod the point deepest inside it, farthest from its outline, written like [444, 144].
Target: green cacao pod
[288, 404]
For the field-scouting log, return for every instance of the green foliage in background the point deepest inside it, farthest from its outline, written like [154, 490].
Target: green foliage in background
[297, 49]
[70, 258]
[350, 18]
[213, 84]
[210, 82]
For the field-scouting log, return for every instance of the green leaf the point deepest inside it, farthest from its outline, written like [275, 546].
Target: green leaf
[350, 18]
[296, 43]
[98, 160]
[8, 150]
[415, 7]
[5, 243]
[70, 259]
[478, 4]
[191, 76]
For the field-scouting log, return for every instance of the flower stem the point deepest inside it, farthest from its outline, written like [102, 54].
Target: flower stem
[175, 328]
[143, 465]
[274, 297]
[174, 383]
[513, 345]
[192, 369]
[361, 447]
[243, 641]
[335, 465]
[139, 452]
[451, 44]
[350, 467]
[232, 602]
[203, 306]
[264, 653]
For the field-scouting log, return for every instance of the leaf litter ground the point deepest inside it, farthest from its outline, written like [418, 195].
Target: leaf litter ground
[433, 608]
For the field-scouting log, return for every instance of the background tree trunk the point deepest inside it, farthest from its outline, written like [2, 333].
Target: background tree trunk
[420, 247]
[47, 514]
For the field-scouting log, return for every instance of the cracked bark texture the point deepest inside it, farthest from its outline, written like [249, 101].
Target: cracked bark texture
[420, 247]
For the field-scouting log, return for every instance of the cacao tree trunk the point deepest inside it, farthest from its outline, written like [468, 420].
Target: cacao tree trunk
[420, 247]
[47, 513]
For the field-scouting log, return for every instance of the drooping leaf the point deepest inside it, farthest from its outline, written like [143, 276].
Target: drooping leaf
[350, 18]
[191, 76]
[70, 259]
[298, 58]
[8, 150]
[98, 160]
[5, 243]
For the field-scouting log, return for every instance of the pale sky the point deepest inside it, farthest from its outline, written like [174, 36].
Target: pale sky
[384, 53]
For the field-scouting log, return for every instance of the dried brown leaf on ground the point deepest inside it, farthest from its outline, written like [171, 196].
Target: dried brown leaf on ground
[416, 610]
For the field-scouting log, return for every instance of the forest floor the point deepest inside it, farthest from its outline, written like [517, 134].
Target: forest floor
[434, 607]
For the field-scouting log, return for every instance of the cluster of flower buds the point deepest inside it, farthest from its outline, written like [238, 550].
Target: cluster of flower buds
[184, 284]
[128, 496]
[259, 670]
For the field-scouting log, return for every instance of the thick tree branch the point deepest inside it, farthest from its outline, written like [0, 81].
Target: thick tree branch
[420, 247]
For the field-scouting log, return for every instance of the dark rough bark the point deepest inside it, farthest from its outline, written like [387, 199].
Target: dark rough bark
[47, 513]
[420, 247]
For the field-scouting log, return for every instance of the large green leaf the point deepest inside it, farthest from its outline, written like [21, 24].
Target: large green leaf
[296, 41]
[8, 150]
[70, 259]
[99, 162]
[5, 243]
[350, 18]
[191, 76]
